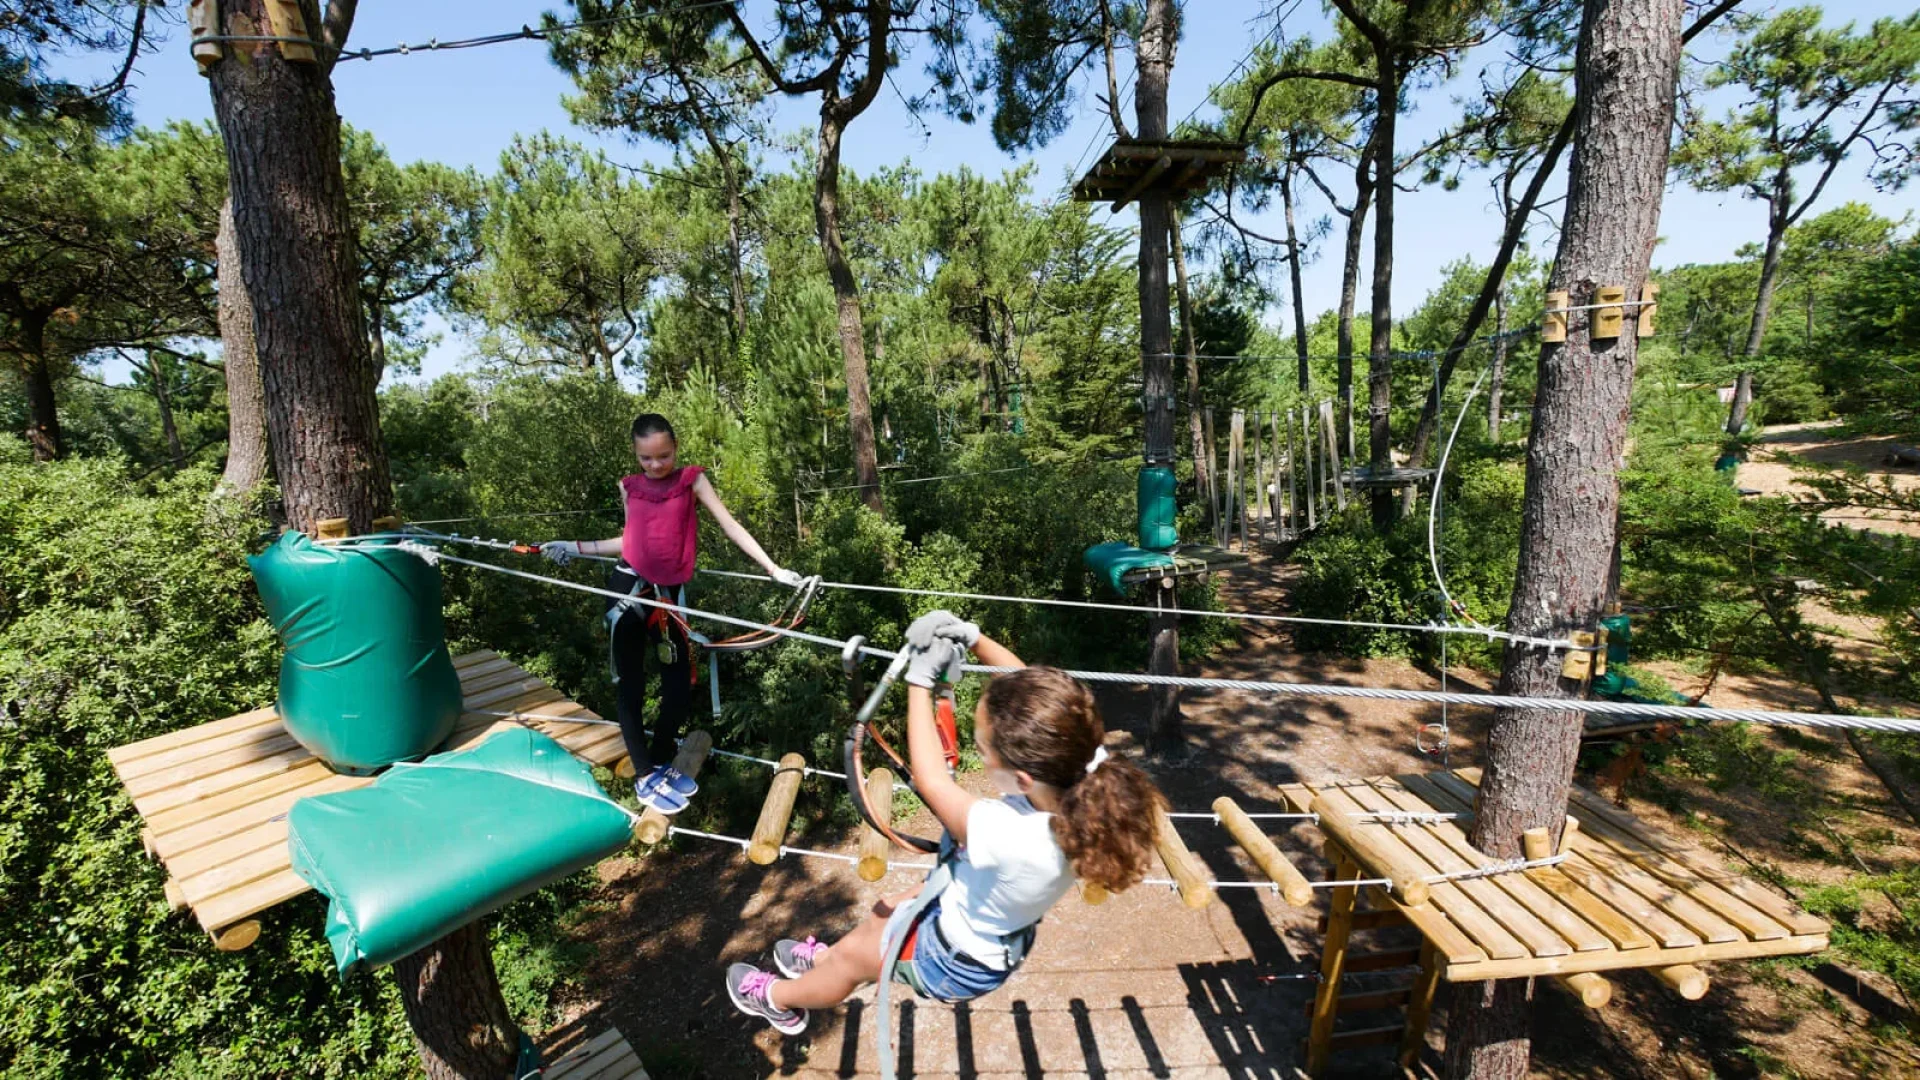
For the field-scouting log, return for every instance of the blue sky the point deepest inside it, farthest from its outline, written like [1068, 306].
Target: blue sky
[464, 107]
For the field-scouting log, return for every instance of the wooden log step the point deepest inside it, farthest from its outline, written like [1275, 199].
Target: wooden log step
[1382, 959]
[1393, 998]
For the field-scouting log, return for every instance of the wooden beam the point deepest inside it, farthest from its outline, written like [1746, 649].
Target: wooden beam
[874, 848]
[1686, 980]
[1194, 890]
[1269, 858]
[1593, 990]
[1333, 964]
[653, 826]
[1409, 880]
[1413, 1036]
[1153, 173]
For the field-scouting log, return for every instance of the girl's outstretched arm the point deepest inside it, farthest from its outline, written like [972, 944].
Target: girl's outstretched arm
[736, 532]
[947, 799]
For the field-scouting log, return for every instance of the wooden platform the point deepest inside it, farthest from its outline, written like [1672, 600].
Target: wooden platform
[1177, 167]
[215, 797]
[606, 1056]
[1628, 896]
[1189, 560]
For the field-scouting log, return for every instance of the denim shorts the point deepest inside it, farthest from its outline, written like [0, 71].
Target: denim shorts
[941, 973]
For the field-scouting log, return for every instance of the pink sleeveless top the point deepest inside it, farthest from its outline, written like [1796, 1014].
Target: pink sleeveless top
[662, 537]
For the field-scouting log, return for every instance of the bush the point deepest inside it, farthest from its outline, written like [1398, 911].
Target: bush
[127, 612]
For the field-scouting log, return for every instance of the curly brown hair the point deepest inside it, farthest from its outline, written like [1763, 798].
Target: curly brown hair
[1046, 724]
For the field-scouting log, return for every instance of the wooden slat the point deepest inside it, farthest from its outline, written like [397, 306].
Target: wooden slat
[1679, 861]
[234, 873]
[1434, 925]
[568, 1064]
[1615, 960]
[1454, 904]
[1746, 920]
[139, 770]
[1414, 793]
[181, 842]
[1686, 909]
[131, 752]
[1605, 916]
[250, 899]
[201, 809]
[233, 779]
[1481, 893]
[212, 765]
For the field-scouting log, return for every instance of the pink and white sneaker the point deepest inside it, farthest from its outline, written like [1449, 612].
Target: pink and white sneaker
[747, 986]
[796, 958]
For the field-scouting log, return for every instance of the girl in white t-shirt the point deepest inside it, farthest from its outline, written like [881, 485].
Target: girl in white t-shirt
[1069, 810]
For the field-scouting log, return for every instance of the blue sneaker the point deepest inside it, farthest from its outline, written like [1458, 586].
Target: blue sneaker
[683, 785]
[655, 795]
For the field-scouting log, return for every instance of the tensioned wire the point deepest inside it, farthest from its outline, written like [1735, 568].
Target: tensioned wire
[1557, 644]
[1278, 689]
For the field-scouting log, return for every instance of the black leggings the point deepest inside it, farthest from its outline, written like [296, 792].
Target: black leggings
[634, 641]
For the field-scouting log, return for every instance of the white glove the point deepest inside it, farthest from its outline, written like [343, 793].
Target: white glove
[790, 578]
[936, 624]
[935, 663]
[560, 552]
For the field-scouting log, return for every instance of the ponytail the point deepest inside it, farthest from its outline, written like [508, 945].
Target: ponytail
[1046, 724]
[1106, 825]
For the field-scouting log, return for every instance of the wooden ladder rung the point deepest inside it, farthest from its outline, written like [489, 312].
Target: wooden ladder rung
[1358, 1037]
[1372, 920]
[1373, 999]
[1383, 958]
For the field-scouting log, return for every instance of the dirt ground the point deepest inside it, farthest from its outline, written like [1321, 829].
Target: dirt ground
[1819, 444]
[1143, 987]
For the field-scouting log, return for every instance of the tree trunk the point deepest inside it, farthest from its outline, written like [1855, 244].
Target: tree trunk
[1154, 54]
[1201, 466]
[246, 401]
[1769, 266]
[1293, 271]
[1627, 65]
[163, 404]
[297, 257]
[1497, 378]
[43, 411]
[1742, 398]
[1380, 342]
[1350, 287]
[846, 296]
[376, 342]
[461, 1025]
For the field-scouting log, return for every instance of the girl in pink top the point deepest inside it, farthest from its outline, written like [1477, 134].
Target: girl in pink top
[657, 552]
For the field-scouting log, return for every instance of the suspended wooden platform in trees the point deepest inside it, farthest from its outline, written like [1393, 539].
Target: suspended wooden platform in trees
[215, 797]
[1174, 167]
[1188, 560]
[1626, 896]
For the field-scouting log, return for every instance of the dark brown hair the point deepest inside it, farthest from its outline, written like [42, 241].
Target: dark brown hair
[1046, 724]
[653, 423]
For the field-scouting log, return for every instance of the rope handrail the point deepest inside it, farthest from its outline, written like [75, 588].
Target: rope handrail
[1279, 689]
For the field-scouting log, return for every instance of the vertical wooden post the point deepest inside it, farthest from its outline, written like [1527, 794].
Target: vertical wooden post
[1333, 965]
[1284, 460]
[1163, 658]
[1263, 504]
[776, 814]
[1213, 478]
[1306, 465]
[1420, 1005]
[1334, 467]
[1238, 471]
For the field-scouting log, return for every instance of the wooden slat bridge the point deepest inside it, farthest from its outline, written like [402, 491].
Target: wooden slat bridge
[1625, 896]
[215, 797]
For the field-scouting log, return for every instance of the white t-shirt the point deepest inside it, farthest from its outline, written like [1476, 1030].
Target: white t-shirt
[1010, 872]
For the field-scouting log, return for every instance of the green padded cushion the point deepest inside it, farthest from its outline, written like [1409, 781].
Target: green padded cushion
[1111, 561]
[429, 848]
[365, 680]
[1159, 513]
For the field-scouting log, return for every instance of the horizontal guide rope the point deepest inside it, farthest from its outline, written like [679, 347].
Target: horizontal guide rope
[1279, 689]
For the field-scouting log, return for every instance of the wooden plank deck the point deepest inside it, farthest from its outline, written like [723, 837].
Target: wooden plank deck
[215, 797]
[606, 1056]
[1628, 895]
[1189, 560]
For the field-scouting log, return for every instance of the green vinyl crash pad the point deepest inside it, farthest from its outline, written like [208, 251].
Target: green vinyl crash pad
[1115, 560]
[365, 679]
[432, 846]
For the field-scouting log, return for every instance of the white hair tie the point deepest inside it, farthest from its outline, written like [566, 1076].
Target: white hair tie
[1099, 755]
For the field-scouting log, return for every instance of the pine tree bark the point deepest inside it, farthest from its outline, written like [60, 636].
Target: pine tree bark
[846, 298]
[1497, 378]
[1201, 466]
[1380, 339]
[451, 996]
[163, 404]
[1627, 66]
[1305, 373]
[246, 399]
[1158, 36]
[297, 259]
[1350, 287]
[44, 434]
[1742, 400]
